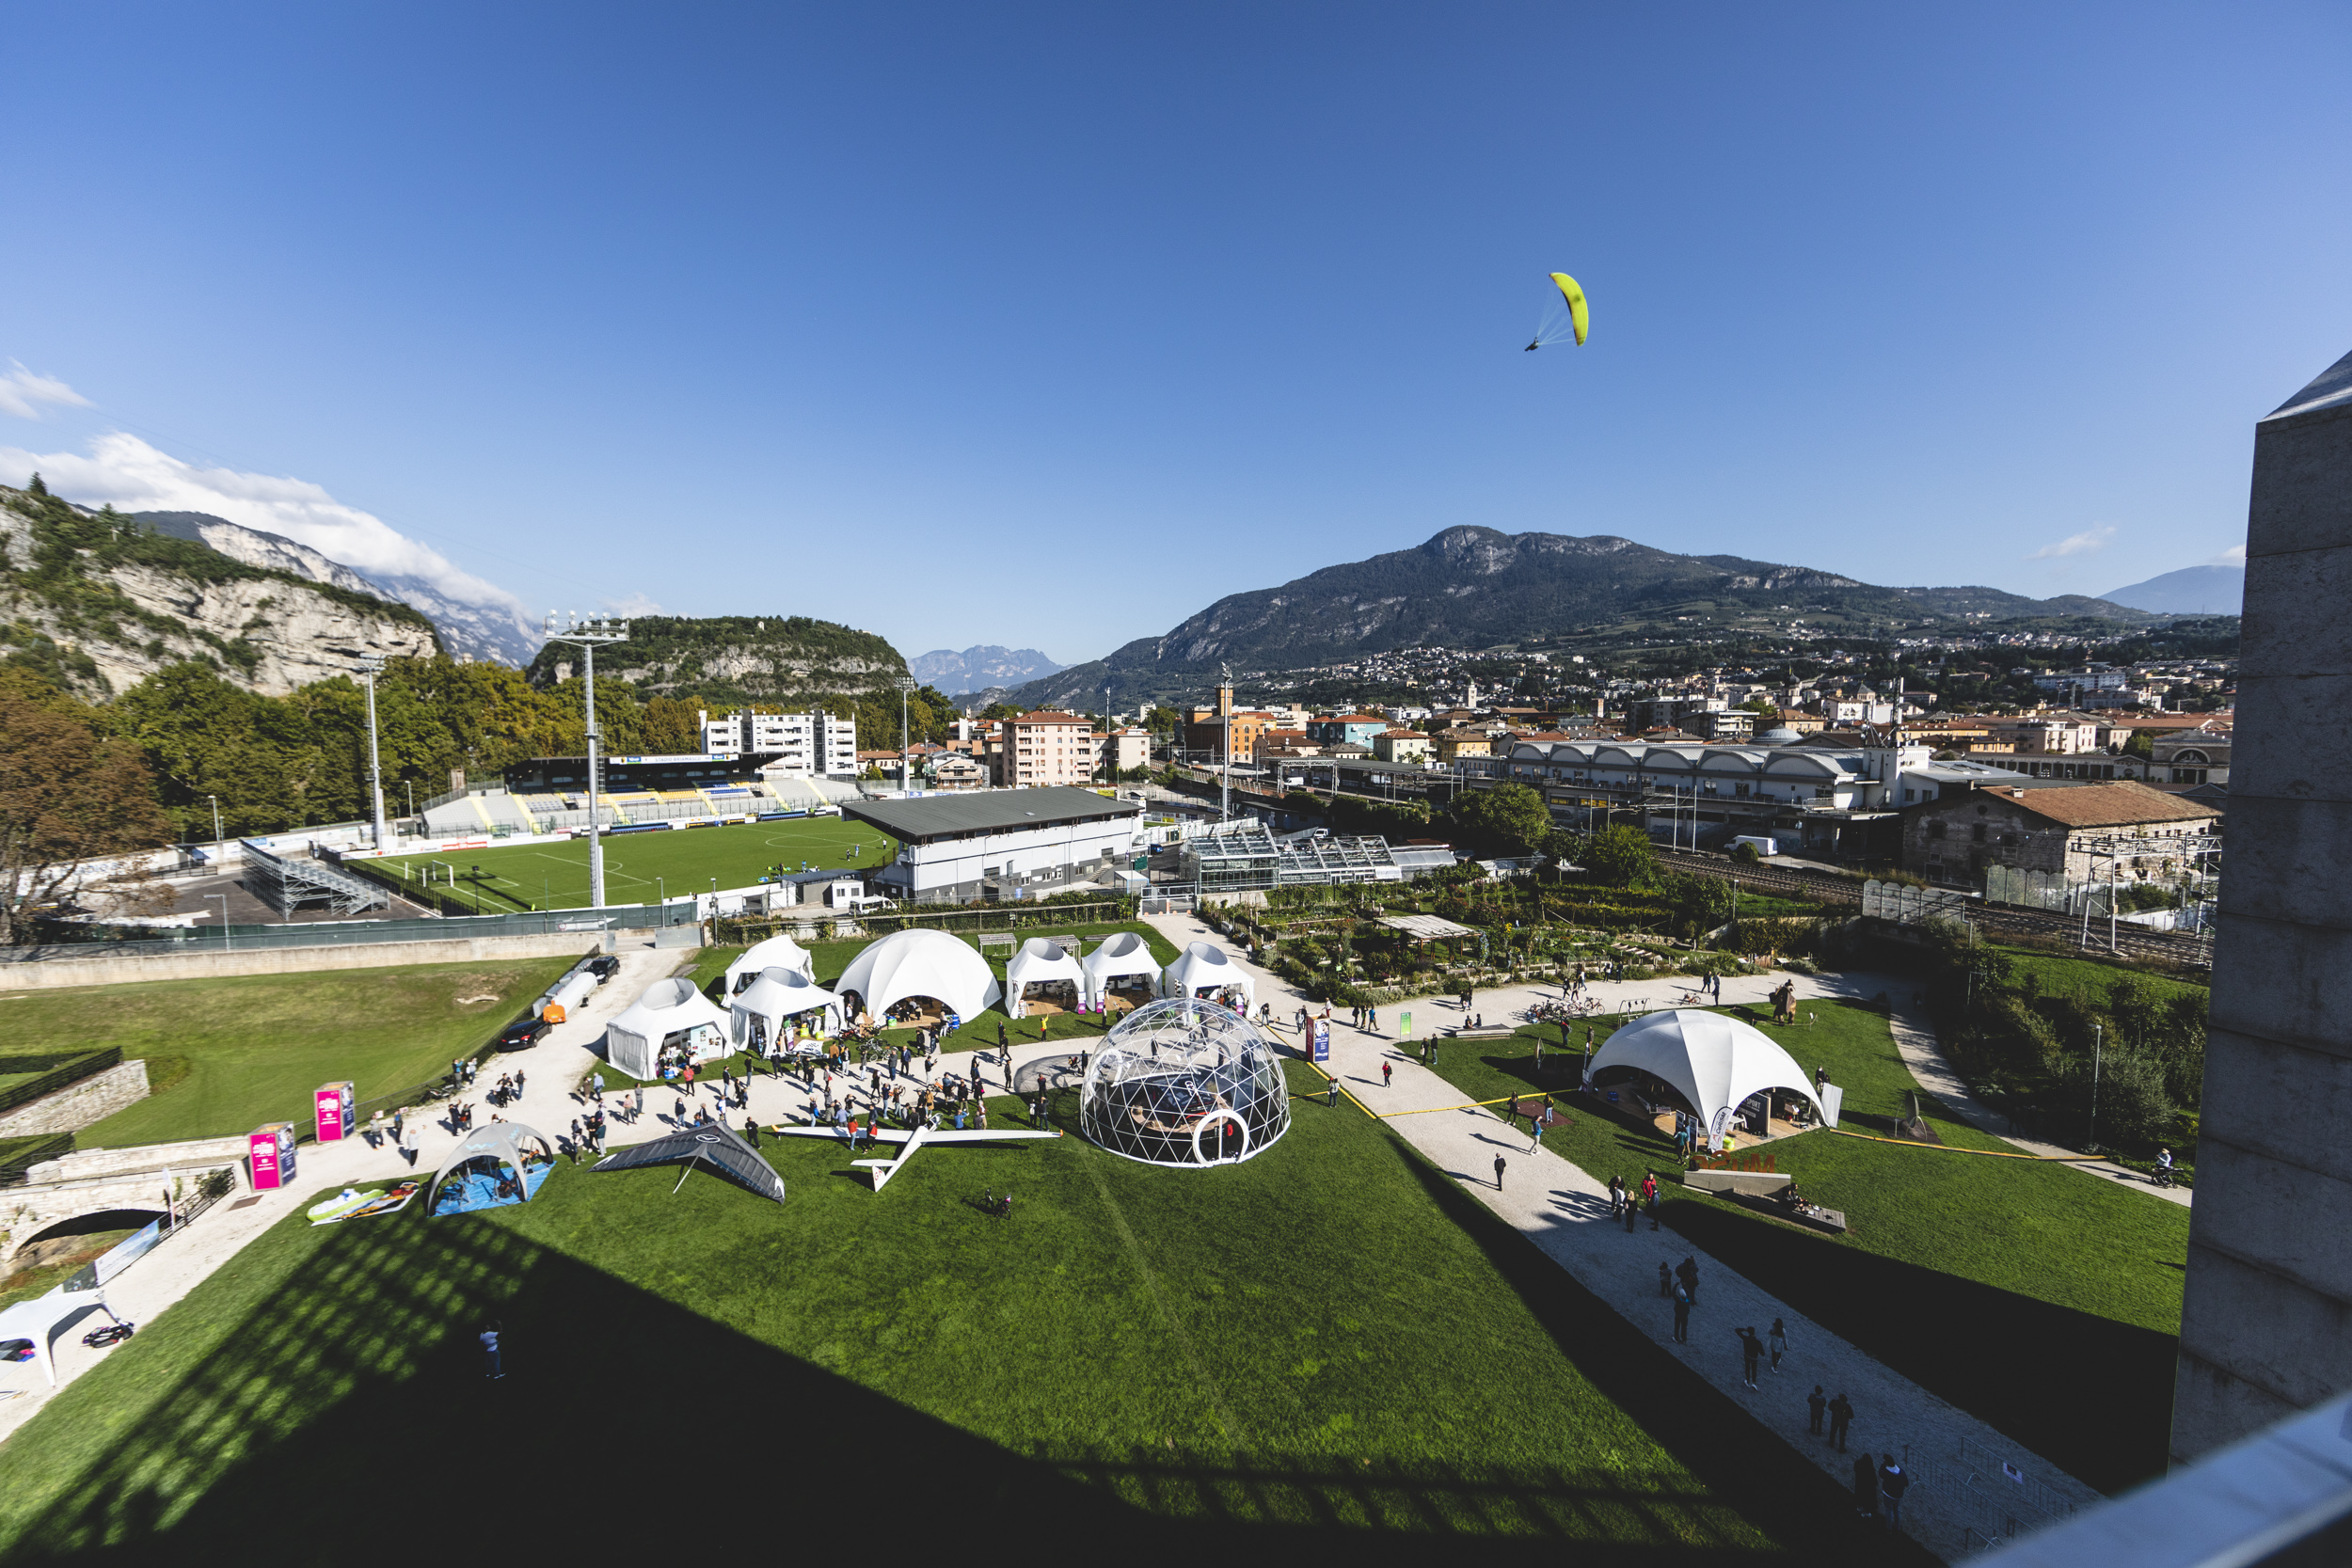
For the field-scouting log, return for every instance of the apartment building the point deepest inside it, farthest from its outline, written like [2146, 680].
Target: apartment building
[1046, 748]
[802, 744]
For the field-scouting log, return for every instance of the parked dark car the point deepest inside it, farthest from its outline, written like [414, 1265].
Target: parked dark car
[604, 968]
[523, 1036]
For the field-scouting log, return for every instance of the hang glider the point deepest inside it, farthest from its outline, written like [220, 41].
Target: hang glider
[884, 1169]
[710, 1145]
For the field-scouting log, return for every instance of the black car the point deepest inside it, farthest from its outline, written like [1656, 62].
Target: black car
[604, 968]
[523, 1036]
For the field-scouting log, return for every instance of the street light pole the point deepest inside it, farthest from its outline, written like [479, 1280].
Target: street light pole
[224, 918]
[216, 800]
[2098, 1038]
[586, 636]
[369, 668]
[906, 772]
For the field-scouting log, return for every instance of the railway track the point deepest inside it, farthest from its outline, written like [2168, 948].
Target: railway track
[1827, 888]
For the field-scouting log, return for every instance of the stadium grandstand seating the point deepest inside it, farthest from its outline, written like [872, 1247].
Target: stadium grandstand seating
[286, 883]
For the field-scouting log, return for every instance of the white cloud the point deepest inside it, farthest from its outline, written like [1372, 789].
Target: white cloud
[636, 603]
[2084, 542]
[134, 477]
[20, 391]
[2234, 556]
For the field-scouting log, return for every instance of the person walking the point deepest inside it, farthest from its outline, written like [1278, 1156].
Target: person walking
[1779, 1342]
[1840, 1418]
[1385, 1070]
[1665, 1280]
[1814, 1406]
[1866, 1488]
[1498, 1173]
[1682, 1316]
[1649, 1197]
[494, 1365]
[1893, 1484]
[1687, 1272]
[1373, 1014]
[1751, 1352]
[1617, 1195]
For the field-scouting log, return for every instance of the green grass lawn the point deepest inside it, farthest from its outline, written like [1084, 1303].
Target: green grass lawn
[1331, 1339]
[228, 1055]
[1991, 1282]
[2090, 979]
[638, 867]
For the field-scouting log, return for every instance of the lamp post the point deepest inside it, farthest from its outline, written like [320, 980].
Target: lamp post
[661, 897]
[224, 918]
[409, 785]
[216, 800]
[369, 668]
[587, 636]
[2098, 1039]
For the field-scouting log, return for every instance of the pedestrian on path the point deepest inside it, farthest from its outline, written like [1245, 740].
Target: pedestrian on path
[1840, 1418]
[1751, 1352]
[1374, 1015]
[1892, 1485]
[1683, 1315]
[1815, 1404]
[1617, 1195]
[1866, 1488]
[1498, 1173]
[1687, 1272]
[1665, 1279]
[1385, 1071]
[493, 1365]
[1633, 1213]
[1779, 1342]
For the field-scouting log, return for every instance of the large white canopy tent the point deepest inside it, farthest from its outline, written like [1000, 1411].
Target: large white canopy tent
[1040, 959]
[757, 1014]
[1206, 970]
[920, 963]
[670, 1012]
[40, 1318]
[775, 953]
[1714, 1060]
[1125, 956]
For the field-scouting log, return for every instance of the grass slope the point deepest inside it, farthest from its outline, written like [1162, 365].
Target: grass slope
[555, 876]
[1331, 1337]
[227, 1056]
[2044, 1302]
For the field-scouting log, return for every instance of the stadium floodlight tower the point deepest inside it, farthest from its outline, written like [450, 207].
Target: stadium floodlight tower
[1184, 1081]
[369, 668]
[587, 636]
[906, 772]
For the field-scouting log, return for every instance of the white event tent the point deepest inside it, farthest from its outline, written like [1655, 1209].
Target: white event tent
[773, 996]
[1715, 1061]
[1040, 960]
[40, 1318]
[1206, 970]
[775, 953]
[1125, 955]
[671, 1012]
[919, 963]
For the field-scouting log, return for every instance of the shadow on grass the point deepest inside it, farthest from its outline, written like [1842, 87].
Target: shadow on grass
[346, 1419]
[2088, 1393]
[1779, 1490]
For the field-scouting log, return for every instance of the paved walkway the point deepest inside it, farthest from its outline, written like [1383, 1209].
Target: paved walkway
[1565, 1211]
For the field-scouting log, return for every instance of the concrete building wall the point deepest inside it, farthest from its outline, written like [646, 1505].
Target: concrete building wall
[2266, 1319]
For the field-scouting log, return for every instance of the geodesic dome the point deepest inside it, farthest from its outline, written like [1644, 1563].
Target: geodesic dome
[1184, 1081]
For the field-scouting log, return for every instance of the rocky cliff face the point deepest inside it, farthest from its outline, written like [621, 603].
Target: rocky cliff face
[737, 658]
[466, 630]
[100, 603]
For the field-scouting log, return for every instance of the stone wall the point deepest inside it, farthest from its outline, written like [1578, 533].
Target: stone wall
[79, 1104]
[2266, 1310]
[48, 973]
[85, 1165]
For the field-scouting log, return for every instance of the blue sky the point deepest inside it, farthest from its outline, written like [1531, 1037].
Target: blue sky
[1047, 325]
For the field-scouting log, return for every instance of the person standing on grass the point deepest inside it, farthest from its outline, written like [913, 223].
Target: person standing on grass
[1840, 1418]
[1682, 1316]
[1332, 1093]
[1751, 1352]
[493, 1365]
[1814, 1406]
[1893, 1484]
[1780, 1343]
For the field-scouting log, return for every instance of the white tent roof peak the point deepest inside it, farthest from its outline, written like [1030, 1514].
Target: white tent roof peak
[1126, 953]
[1205, 966]
[777, 994]
[778, 952]
[920, 963]
[1715, 1060]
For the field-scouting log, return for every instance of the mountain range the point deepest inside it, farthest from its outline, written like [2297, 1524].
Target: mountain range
[1470, 587]
[2191, 590]
[478, 631]
[980, 668]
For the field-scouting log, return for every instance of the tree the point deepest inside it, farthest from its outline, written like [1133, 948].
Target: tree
[1508, 820]
[68, 794]
[1621, 856]
[1700, 903]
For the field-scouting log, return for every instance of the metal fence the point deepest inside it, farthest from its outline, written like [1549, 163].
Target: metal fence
[53, 1071]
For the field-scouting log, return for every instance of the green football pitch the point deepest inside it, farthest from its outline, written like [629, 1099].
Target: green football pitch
[638, 867]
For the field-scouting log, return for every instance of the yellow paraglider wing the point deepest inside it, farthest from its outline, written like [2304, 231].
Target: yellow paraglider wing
[1575, 296]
